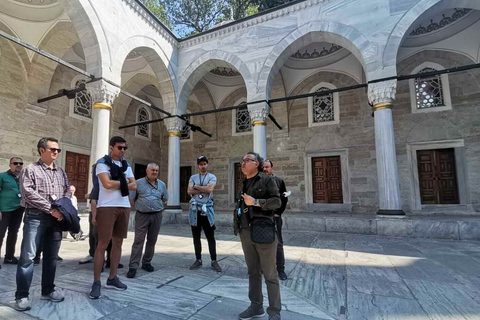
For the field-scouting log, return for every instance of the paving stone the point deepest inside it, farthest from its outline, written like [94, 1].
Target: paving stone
[331, 276]
[444, 300]
[133, 312]
[366, 306]
[76, 306]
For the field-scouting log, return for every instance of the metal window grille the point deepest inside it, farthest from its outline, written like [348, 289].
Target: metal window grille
[185, 133]
[83, 102]
[142, 130]
[323, 110]
[428, 91]
[243, 123]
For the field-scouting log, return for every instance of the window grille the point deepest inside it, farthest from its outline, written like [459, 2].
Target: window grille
[428, 91]
[323, 110]
[143, 129]
[83, 101]
[244, 123]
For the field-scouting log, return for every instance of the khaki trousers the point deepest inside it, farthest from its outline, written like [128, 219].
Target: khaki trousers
[261, 258]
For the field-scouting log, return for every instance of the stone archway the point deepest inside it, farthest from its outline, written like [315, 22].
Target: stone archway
[389, 56]
[343, 35]
[197, 69]
[162, 65]
[89, 30]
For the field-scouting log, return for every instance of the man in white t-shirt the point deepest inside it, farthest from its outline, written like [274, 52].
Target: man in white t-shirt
[113, 212]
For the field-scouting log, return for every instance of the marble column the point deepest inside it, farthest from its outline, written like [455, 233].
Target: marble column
[259, 113]
[381, 95]
[103, 94]
[174, 127]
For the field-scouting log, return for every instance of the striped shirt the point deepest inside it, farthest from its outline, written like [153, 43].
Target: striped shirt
[38, 183]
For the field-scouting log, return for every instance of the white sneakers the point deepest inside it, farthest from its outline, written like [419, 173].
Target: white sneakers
[22, 304]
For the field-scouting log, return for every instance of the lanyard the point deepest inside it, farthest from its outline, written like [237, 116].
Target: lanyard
[200, 179]
[151, 185]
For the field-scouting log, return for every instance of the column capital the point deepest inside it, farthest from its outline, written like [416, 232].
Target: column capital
[382, 92]
[103, 93]
[259, 113]
[174, 126]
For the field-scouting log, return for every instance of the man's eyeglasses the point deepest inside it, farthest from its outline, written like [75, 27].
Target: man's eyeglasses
[246, 160]
[122, 148]
[55, 150]
[17, 163]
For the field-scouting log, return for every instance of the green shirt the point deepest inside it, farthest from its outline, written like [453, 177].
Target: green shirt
[10, 189]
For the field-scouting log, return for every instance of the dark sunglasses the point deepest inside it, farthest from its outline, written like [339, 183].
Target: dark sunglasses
[122, 148]
[17, 163]
[55, 150]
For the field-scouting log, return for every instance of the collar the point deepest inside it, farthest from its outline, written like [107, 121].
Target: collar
[156, 181]
[10, 172]
[44, 166]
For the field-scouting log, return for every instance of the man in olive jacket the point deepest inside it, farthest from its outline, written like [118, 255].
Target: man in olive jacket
[259, 198]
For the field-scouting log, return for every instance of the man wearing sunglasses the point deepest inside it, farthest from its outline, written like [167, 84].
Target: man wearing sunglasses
[116, 178]
[41, 183]
[268, 170]
[258, 199]
[11, 212]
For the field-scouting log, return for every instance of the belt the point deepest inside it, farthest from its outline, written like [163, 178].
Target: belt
[151, 212]
[35, 211]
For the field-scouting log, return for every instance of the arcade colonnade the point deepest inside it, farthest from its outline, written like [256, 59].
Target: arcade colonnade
[257, 48]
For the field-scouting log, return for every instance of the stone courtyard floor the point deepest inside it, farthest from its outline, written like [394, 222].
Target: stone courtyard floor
[331, 276]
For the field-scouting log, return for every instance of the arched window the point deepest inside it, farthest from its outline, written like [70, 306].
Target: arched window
[82, 105]
[323, 109]
[186, 132]
[144, 129]
[430, 93]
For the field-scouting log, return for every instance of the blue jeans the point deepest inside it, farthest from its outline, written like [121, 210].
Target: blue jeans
[38, 225]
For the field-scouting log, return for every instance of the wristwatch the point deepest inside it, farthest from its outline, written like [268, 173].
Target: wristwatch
[255, 202]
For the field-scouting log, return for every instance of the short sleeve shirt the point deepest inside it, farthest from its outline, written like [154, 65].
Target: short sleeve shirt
[9, 195]
[112, 197]
[203, 180]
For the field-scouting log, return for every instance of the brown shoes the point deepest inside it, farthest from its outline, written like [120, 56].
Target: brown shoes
[215, 266]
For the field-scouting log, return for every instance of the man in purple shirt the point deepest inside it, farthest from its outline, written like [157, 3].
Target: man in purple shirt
[41, 183]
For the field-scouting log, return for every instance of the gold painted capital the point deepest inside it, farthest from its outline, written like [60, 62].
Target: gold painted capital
[259, 123]
[381, 106]
[102, 105]
[174, 134]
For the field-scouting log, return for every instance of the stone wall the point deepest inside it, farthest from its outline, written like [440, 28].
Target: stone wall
[460, 123]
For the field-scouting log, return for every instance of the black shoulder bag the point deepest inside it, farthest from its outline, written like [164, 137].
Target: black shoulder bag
[262, 230]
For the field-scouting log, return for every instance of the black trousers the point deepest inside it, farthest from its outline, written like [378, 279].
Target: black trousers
[280, 253]
[203, 223]
[10, 220]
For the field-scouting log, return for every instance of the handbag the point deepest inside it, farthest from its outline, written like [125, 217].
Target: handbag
[262, 230]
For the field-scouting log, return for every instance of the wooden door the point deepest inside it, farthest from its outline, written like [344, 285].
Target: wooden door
[77, 170]
[185, 174]
[437, 176]
[140, 171]
[239, 177]
[327, 180]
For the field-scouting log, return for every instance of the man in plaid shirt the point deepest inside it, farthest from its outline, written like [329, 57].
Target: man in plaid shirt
[41, 183]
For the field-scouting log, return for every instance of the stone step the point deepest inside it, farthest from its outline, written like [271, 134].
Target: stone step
[432, 227]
